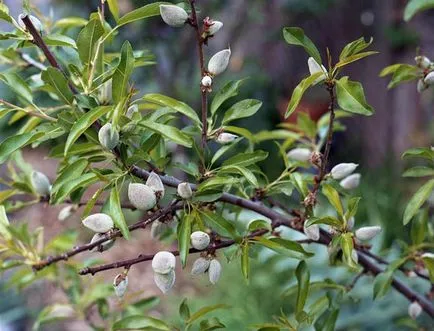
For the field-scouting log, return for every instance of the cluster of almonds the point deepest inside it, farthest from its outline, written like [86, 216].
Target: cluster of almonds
[205, 263]
[428, 72]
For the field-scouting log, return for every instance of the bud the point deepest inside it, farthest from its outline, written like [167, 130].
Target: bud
[350, 182]
[141, 196]
[106, 245]
[163, 262]
[299, 154]
[315, 67]
[355, 256]
[219, 62]
[66, 212]
[414, 310]
[350, 223]
[421, 86]
[343, 170]
[165, 281]
[184, 191]
[206, 81]
[99, 222]
[214, 271]
[429, 79]
[422, 62]
[157, 228]
[155, 183]
[367, 232]
[173, 15]
[131, 111]
[312, 232]
[36, 22]
[200, 266]
[108, 136]
[40, 183]
[120, 285]
[200, 240]
[215, 27]
[225, 138]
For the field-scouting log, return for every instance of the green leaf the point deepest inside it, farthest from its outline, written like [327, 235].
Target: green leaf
[246, 159]
[205, 310]
[245, 261]
[140, 322]
[224, 149]
[72, 171]
[184, 311]
[328, 220]
[169, 132]
[296, 36]
[353, 48]
[70, 22]
[184, 232]
[401, 73]
[330, 322]
[259, 224]
[418, 200]
[347, 246]
[382, 284]
[333, 197]
[214, 182]
[123, 72]
[354, 58]
[116, 213]
[284, 247]
[422, 152]
[419, 227]
[83, 123]
[351, 97]
[73, 184]
[415, 6]
[353, 205]
[53, 313]
[4, 13]
[114, 8]
[55, 78]
[219, 224]
[18, 85]
[146, 11]
[429, 264]
[87, 40]
[242, 171]
[4, 223]
[176, 105]
[242, 109]
[15, 142]
[298, 92]
[60, 40]
[419, 171]
[230, 90]
[303, 278]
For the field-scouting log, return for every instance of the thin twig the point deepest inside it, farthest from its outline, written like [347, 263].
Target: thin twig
[175, 205]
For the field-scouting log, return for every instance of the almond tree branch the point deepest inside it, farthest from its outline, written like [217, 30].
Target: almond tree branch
[204, 93]
[171, 208]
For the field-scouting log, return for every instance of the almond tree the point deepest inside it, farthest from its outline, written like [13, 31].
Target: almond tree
[108, 133]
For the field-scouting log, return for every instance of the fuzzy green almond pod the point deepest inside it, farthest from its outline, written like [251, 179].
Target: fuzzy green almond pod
[106, 245]
[200, 240]
[299, 154]
[157, 228]
[66, 212]
[219, 62]
[165, 281]
[173, 15]
[414, 310]
[429, 79]
[367, 232]
[108, 136]
[226, 138]
[35, 21]
[40, 183]
[422, 62]
[155, 183]
[351, 182]
[343, 170]
[163, 262]
[200, 266]
[141, 196]
[120, 285]
[214, 271]
[100, 222]
[215, 27]
[131, 111]
[184, 191]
